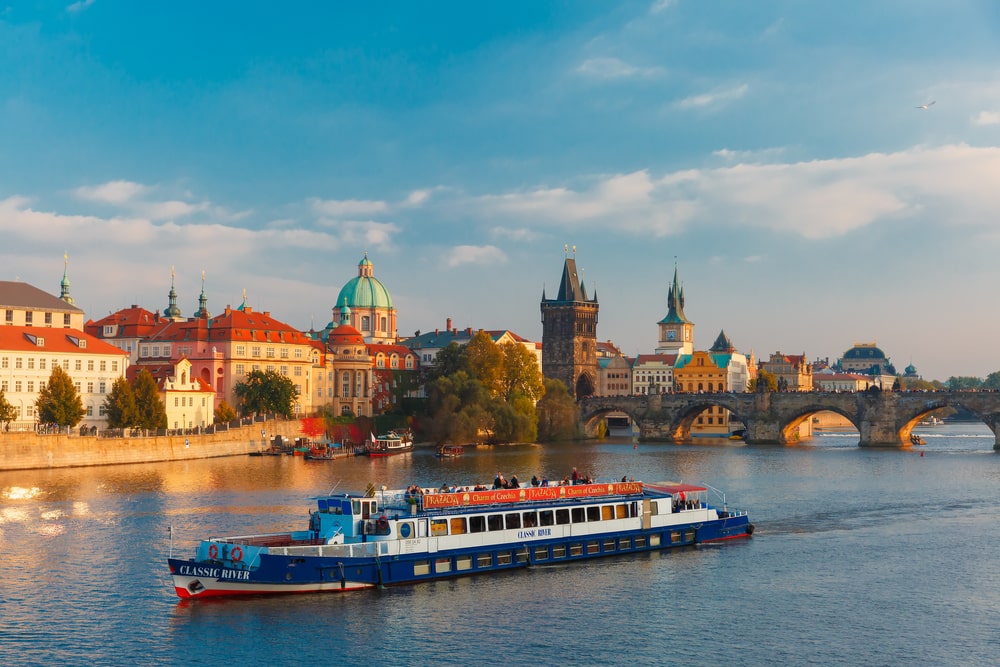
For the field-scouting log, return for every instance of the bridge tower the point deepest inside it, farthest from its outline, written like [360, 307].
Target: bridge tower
[569, 333]
[676, 331]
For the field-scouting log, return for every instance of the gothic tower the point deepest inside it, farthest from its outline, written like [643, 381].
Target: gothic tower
[569, 334]
[676, 331]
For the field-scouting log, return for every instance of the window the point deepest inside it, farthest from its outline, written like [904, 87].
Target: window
[114, 366]
[48, 319]
[284, 353]
[477, 524]
[366, 323]
[255, 351]
[239, 369]
[269, 352]
[495, 521]
[28, 317]
[90, 364]
[241, 350]
[546, 518]
[578, 514]
[109, 330]
[76, 385]
[101, 387]
[284, 370]
[90, 387]
[513, 521]
[4, 362]
[90, 410]
[66, 319]
[298, 353]
[562, 517]
[297, 371]
[101, 410]
[17, 386]
[9, 317]
[31, 386]
[18, 362]
[78, 365]
[594, 513]
[31, 362]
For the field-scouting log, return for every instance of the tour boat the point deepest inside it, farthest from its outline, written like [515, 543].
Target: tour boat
[450, 451]
[388, 537]
[388, 445]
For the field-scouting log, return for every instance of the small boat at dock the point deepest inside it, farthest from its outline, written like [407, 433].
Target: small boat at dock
[394, 442]
[450, 451]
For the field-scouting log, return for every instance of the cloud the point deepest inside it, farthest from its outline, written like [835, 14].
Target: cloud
[613, 68]
[987, 118]
[365, 233]
[714, 99]
[762, 155]
[522, 234]
[661, 6]
[814, 200]
[79, 6]
[338, 208]
[471, 254]
[112, 192]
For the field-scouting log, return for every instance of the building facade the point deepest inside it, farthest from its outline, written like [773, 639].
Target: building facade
[792, 371]
[368, 304]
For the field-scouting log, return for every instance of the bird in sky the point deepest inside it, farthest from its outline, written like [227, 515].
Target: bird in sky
[926, 106]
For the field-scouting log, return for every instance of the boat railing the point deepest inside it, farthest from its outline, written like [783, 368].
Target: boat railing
[360, 550]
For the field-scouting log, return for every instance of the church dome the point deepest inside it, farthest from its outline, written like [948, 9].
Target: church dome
[364, 290]
[345, 334]
[864, 352]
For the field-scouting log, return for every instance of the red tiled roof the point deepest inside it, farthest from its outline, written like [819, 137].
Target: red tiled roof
[16, 339]
[132, 322]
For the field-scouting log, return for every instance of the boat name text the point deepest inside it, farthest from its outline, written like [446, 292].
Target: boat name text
[214, 573]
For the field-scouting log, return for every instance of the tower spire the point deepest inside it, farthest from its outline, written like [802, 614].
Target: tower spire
[64, 284]
[172, 311]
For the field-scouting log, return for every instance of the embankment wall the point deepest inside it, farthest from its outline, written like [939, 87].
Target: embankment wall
[25, 451]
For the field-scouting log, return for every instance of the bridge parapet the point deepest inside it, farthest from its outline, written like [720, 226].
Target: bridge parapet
[883, 419]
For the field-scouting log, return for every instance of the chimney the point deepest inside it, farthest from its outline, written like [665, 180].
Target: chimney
[437, 332]
[448, 324]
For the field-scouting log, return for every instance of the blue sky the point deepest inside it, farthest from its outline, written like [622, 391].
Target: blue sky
[773, 150]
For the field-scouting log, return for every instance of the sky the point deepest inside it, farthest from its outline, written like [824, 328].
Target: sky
[777, 153]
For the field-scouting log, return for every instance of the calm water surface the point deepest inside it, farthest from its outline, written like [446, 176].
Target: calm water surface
[860, 557]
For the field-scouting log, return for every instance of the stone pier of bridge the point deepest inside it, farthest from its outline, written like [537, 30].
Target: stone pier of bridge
[883, 419]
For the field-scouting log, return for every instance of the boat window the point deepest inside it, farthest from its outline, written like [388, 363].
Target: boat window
[405, 530]
[442, 565]
[607, 512]
[546, 518]
[529, 519]
[609, 545]
[675, 537]
[633, 509]
[640, 541]
[484, 560]
[522, 555]
[463, 562]
[562, 517]
[439, 527]
[513, 520]
[621, 511]
[593, 547]
[356, 507]
[578, 514]
[653, 507]
[495, 521]
[576, 549]
[504, 558]
[421, 567]
[541, 553]
[594, 513]
[458, 525]
[477, 524]
[654, 540]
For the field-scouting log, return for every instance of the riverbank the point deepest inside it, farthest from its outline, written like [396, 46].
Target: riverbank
[26, 451]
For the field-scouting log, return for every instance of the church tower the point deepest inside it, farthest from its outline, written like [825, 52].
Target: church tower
[569, 333]
[676, 331]
[172, 311]
[64, 284]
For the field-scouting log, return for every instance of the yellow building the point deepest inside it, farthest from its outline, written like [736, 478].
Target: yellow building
[721, 369]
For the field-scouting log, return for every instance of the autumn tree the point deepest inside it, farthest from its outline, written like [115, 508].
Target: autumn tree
[59, 402]
[8, 412]
[120, 405]
[149, 406]
[224, 413]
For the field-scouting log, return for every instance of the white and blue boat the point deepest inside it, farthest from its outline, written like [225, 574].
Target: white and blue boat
[390, 537]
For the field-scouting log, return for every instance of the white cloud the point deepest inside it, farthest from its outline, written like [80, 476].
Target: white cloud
[338, 208]
[763, 155]
[365, 233]
[471, 254]
[417, 197]
[714, 99]
[817, 199]
[112, 192]
[987, 118]
[79, 6]
[521, 234]
[613, 68]
[661, 6]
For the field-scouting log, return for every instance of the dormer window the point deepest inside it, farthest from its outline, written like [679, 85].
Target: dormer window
[40, 342]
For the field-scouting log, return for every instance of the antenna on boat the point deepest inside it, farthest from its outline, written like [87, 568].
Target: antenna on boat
[724, 508]
[170, 531]
[335, 487]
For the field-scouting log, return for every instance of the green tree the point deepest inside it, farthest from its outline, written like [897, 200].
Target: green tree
[266, 391]
[8, 412]
[963, 383]
[484, 360]
[59, 402]
[149, 406]
[558, 414]
[120, 405]
[458, 409]
[992, 381]
[224, 413]
[916, 384]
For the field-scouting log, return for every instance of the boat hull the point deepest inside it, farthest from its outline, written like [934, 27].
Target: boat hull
[287, 574]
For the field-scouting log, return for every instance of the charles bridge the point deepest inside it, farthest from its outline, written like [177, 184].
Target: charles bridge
[883, 419]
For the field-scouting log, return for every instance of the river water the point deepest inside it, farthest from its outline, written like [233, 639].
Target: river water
[861, 557]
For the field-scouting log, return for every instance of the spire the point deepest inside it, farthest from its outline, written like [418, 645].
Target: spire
[172, 311]
[675, 302]
[722, 344]
[203, 301]
[64, 284]
[243, 306]
[345, 313]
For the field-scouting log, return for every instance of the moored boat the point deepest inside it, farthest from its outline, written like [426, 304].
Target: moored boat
[389, 444]
[355, 541]
[450, 451]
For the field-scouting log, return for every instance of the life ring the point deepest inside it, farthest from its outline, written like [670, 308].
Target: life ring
[213, 551]
[236, 554]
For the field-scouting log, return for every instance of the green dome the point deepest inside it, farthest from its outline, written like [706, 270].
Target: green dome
[364, 290]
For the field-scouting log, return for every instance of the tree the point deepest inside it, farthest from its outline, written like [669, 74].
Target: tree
[149, 406]
[992, 381]
[59, 402]
[520, 375]
[447, 362]
[313, 427]
[963, 383]
[266, 391]
[120, 405]
[484, 360]
[224, 413]
[458, 408]
[558, 414]
[8, 412]
[764, 382]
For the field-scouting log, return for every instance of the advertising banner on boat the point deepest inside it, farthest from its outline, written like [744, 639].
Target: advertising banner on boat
[529, 494]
